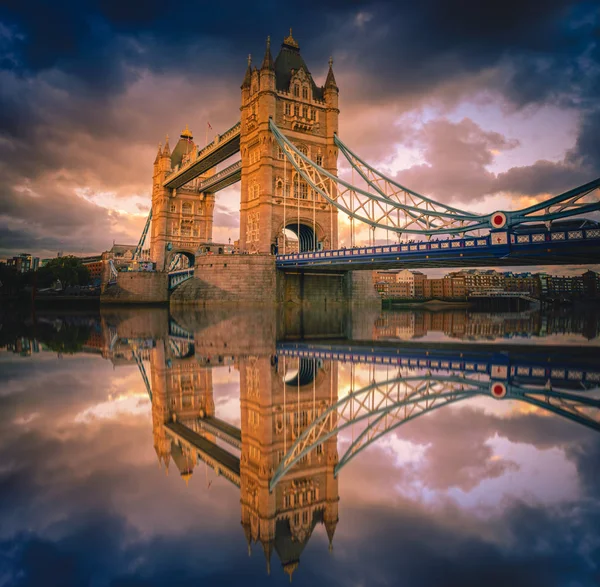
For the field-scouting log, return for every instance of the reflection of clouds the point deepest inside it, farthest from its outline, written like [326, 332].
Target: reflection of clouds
[477, 493]
[135, 405]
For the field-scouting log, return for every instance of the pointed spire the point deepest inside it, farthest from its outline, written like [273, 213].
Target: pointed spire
[268, 62]
[167, 150]
[248, 76]
[290, 41]
[186, 133]
[330, 528]
[289, 568]
[268, 550]
[155, 162]
[330, 81]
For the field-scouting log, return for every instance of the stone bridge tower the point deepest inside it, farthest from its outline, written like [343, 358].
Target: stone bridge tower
[182, 219]
[277, 403]
[182, 391]
[273, 197]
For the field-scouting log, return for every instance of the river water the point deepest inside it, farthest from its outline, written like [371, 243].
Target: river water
[334, 447]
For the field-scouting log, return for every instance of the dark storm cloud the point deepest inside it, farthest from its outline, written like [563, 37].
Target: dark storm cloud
[87, 89]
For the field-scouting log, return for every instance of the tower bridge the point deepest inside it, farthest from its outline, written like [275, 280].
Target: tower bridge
[288, 141]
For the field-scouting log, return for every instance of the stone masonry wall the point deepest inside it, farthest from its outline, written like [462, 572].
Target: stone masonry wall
[143, 287]
[229, 279]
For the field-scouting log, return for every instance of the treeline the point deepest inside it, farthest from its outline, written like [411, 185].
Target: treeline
[68, 270]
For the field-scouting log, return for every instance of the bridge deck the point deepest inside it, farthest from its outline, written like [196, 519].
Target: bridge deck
[215, 456]
[559, 247]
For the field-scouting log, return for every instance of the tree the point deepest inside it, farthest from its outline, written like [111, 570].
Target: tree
[68, 270]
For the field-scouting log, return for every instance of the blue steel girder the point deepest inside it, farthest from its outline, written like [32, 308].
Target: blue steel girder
[423, 394]
[178, 277]
[138, 249]
[145, 379]
[400, 210]
[558, 207]
[577, 408]
[369, 401]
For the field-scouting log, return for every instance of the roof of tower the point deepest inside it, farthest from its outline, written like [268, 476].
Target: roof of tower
[268, 62]
[289, 59]
[167, 148]
[184, 145]
[288, 548]
[330, 81]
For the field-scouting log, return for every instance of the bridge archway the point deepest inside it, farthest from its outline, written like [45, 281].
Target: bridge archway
[310, 237]
[178, 259]
[304, 372]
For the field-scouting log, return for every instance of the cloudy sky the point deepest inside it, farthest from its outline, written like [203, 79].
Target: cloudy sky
[484, 105]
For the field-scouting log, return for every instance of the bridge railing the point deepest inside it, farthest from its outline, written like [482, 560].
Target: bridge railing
[449, 244]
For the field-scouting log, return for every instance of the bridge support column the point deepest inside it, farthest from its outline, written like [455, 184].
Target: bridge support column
[344, 287]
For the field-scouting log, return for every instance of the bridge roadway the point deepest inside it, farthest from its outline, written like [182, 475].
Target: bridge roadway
[223, 147]
[559, 247]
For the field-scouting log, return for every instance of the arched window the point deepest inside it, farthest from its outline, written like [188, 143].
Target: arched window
[279, 188]
[305, 93]
[296, 90]
[303, 149]
[319, 159]
[186, 208]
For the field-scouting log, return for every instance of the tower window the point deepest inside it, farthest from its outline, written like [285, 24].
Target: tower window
[305, 111]
[296, 110]
[296, 90]
[186, 208]
[173, 207]
[305, 93]
[288, 108]
[319, 159]
[313, 114]
[280, 153]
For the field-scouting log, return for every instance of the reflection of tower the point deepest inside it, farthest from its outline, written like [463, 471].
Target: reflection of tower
[272, 417]
[181, 392]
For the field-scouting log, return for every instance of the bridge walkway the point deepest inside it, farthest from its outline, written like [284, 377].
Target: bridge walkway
[218, 458]
[222, 430]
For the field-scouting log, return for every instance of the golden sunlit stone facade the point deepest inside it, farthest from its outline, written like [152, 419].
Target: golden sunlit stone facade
[181, 392]
[284, 90]
[273, 415]
[182, 219]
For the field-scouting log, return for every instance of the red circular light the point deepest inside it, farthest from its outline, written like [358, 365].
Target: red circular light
[498, 390]
[497, 219]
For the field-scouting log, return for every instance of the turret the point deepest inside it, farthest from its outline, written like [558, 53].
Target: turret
[267, 69]
[247, 79]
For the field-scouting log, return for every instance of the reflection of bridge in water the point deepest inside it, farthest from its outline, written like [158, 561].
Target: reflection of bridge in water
[284, 455]
[297, 397]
